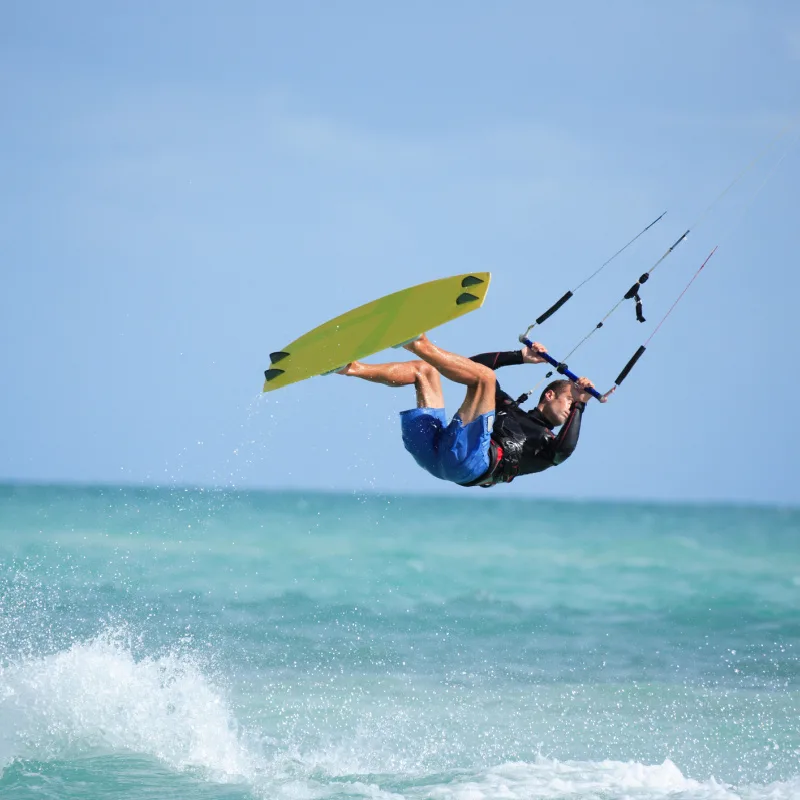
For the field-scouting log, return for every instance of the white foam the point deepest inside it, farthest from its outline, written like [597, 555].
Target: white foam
[550, 779]
[344, 769]
[96, 695]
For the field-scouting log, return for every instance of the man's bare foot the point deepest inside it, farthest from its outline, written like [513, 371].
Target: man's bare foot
[417, 340]
[349, 369]
[340, 370]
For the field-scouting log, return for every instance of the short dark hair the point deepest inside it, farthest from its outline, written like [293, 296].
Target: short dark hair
[557, 387]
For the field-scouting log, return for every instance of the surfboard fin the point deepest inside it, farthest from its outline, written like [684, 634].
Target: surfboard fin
[269, 374]
[274, 358]
[471, 280]
[466, 297]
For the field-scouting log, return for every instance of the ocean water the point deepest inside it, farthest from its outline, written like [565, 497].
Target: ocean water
[159, 643]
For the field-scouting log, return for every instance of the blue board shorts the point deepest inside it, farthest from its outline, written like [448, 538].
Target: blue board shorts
[454, 452]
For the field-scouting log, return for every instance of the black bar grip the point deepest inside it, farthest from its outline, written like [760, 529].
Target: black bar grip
[629, 366]
[552, 310]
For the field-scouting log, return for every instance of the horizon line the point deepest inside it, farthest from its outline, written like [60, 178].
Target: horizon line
[77, 484]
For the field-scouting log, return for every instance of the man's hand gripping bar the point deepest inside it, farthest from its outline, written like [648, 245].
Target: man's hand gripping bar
[564, 370]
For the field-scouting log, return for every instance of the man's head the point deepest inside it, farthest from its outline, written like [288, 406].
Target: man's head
[556, 401]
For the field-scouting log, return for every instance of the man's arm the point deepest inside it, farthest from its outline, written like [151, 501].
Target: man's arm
[505, 358]
[563, 446]
[508, 358]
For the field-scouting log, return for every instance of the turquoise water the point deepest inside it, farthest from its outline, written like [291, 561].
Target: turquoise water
[196, 644]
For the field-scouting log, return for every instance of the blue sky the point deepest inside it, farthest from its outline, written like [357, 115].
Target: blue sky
[187, 187]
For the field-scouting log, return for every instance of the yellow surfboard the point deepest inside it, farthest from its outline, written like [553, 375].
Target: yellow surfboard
[368, 329]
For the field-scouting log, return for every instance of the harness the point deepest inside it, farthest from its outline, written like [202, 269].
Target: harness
[496, 473]
[505, 452]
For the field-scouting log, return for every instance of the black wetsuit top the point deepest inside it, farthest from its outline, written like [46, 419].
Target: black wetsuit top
[540, 447]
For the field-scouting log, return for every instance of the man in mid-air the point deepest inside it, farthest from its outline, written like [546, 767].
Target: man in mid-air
[490, 439]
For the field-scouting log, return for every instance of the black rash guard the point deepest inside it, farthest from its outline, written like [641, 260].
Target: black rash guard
[541, 448]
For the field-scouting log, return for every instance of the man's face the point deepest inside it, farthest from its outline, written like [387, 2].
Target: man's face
[556, 407]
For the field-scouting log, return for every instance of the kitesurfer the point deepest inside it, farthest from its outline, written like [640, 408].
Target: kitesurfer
[490, 439]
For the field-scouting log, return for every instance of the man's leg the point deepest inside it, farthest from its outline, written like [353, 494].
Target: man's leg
[425, 378]
[479, 380]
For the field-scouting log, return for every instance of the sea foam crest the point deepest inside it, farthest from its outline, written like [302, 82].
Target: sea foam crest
[551, 779]
[97, 695]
